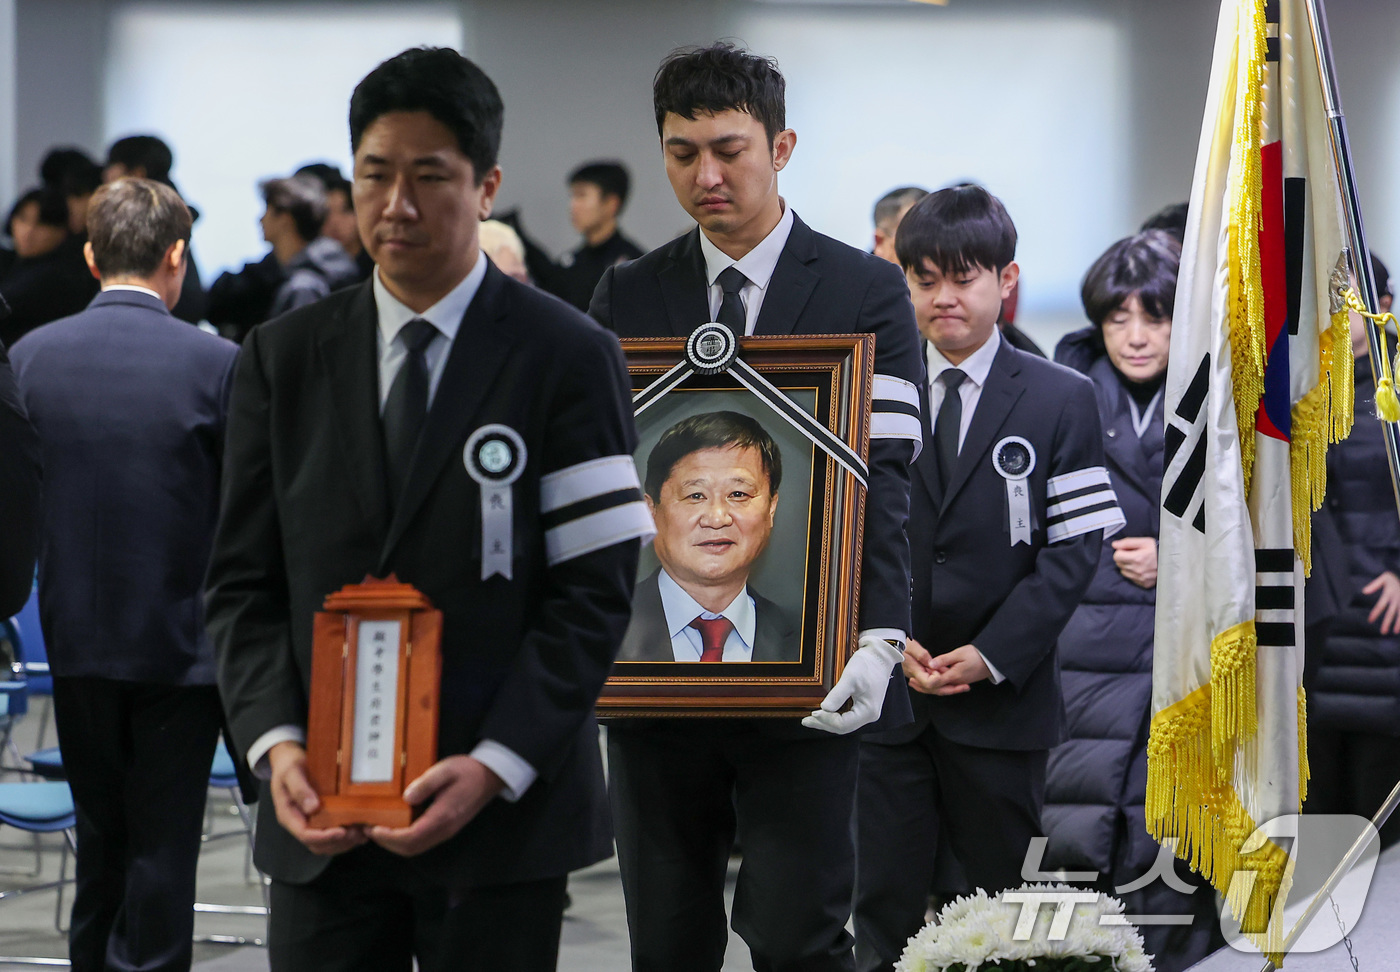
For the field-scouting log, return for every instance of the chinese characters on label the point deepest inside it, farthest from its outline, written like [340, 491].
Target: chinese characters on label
[376, 691]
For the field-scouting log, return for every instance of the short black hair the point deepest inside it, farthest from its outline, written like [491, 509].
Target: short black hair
[719, 78]
[131, 224]
[610, 177]
[889, 205]
[302, 198]
[1171, 219]
[329, 176]
[711, 430]
[447, 86]
[1145, 264]
[956, 228]
[53, 208]
[144, 152]
[70, 170]
[1381, 276]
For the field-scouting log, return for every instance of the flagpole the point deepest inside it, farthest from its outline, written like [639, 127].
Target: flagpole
[1356, 231]
[1356, 237]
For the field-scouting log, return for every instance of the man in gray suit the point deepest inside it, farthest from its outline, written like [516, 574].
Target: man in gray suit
[712, 488]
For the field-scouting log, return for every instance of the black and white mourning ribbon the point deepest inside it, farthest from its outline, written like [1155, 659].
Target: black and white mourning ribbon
[768, 393]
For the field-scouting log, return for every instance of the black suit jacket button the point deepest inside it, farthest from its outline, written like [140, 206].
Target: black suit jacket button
[940, 556]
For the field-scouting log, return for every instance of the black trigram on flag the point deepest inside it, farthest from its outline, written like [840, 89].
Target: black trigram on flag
[1275, 599]
[1181, 487]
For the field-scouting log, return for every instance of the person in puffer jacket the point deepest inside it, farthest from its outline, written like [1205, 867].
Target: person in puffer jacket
[1096, 780]
[1353, 677]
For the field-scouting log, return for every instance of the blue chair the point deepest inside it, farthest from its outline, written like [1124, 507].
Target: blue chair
[40, 808]
[32, 658]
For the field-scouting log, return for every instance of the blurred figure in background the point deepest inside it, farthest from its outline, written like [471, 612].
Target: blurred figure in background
[505, 248]
[1170, 219]
[19, 491]
[1353, 676]
[148, 157]
[43, 278]
[1096, 782]
[888, 213]
[340, 214]
[597, 194]
[303, 266]
[74, 173]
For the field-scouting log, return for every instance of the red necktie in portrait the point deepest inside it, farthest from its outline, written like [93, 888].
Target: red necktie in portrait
[713, 632]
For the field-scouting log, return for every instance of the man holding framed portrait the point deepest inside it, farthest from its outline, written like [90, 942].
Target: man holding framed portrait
[684, 789]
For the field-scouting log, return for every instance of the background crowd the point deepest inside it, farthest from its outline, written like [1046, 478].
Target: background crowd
[1095, 782]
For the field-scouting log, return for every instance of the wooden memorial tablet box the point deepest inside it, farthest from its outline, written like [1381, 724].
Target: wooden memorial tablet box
[372, 726]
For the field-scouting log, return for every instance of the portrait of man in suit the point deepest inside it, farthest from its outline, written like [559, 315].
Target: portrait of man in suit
[712, 488]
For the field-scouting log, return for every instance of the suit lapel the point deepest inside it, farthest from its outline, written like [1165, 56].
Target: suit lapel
[683, 287]
[349, 353]
[792, 283]
[482, 344]
[999, 396]
[926, 466]
[1121, 446]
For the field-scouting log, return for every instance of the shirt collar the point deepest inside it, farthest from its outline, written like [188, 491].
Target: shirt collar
[132, 287]
[759, 263]
[446, 315]
[681, 609]
[977, 365]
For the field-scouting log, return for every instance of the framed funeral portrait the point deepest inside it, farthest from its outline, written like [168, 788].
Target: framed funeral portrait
[752, 456]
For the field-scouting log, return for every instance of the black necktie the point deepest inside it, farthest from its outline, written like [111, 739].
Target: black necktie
[407, 405]
[948, 424]
[731, 307]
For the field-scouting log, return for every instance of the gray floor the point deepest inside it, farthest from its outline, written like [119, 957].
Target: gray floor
[595, 928]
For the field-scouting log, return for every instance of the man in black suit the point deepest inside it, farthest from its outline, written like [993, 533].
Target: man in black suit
[1010, 504]
[684, 788]
[19, 491]
[712, 488]
[130, 406]
[365, 433]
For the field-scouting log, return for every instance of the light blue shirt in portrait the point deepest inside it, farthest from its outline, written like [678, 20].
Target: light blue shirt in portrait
[681, 609]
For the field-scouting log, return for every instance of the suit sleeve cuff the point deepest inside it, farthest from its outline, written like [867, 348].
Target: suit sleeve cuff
[257, 753]
[886, 634]
[514, 772]
[997, 676]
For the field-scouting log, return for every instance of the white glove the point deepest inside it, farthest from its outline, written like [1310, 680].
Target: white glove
[864, 682]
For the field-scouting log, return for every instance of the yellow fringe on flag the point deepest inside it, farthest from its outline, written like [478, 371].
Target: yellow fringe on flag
[1387, 405]
[1323, 416]
[1247, 334]
[1304, 771]
[1233, 713]
[1191, 797]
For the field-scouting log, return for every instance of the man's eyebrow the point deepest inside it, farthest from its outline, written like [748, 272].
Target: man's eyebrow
[681, 142]
[432, 160]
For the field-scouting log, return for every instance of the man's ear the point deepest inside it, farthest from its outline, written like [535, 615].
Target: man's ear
[175, 256]
[490, 185]
[91, 261]
[783, 146]
[772, 510]
[651, 504]
[1008, 277]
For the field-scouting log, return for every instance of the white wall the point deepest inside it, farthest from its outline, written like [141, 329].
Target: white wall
[244, 93]
[8, 102]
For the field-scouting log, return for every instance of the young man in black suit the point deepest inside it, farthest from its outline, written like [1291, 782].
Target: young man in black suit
[683, 788]
[130, 404]
[365, 431]
[1010, 504]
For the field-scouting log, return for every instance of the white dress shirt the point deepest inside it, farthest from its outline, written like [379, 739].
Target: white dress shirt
[977, 366]
[757, 265]
[686, 643]
[446, 315]
[133, 287]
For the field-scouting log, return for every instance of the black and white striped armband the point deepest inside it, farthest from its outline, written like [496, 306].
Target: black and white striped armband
[592, 505]
[894, 411]
[1080, 501]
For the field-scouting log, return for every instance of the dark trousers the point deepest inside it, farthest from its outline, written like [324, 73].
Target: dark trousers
[137, 757]
[1353, 772]
[373, 911]
[682, 793]
[989, 801]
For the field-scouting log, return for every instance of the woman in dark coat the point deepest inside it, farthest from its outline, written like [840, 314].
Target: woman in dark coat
[1097, 780]
[1353, 674]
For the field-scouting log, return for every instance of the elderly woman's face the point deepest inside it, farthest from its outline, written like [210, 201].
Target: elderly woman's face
[1137, 343]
